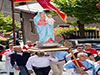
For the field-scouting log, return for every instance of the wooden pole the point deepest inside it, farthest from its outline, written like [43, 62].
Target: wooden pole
[69, 45]
[75, 60]
[22, 27]
[13, 21]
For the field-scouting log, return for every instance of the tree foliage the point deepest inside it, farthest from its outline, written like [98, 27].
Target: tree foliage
[6, 23]
[84, 11]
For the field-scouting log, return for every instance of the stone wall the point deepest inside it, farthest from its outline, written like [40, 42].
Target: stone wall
[29, 34]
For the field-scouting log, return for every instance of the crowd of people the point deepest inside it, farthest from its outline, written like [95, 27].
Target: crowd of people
[19, 59]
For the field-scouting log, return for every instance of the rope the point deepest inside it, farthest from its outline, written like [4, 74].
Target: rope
[1, 5]
[29, 10]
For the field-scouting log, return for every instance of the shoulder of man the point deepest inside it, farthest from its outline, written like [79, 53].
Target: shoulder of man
[91, 62]
[26, 53]
[13, 54]
[88, 53]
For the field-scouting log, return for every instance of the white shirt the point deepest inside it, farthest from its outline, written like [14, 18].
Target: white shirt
[12, 35]
[39, 61]
[20, 53]
[7, 54]
[50, 21]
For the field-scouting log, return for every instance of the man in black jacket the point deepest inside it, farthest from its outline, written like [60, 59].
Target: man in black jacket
[20, 58]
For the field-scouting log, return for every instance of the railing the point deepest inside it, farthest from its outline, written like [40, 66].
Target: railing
[78, 35]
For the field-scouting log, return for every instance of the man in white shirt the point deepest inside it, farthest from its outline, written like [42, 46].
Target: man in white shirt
[40, 63]
[12, 35]
[8, 66]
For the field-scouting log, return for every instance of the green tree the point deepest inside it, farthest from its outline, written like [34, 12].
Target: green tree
[6, 23]
[84, 11]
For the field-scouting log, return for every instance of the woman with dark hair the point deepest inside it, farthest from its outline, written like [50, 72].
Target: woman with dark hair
[40, 63]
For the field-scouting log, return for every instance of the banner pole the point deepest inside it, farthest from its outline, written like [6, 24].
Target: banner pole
[13, 21]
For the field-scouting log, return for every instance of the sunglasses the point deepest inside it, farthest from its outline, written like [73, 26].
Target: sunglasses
[80, 48]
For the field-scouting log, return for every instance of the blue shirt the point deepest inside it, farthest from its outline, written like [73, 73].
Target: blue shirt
[60, 55]
[88, 64]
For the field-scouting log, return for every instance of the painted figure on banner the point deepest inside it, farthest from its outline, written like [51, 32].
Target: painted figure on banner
[44, 29]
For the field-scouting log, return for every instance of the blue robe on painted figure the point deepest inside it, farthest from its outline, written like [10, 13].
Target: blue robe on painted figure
[45, 32]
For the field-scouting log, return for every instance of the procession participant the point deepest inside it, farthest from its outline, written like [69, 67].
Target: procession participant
[8, 66]
[11, 37]
[2, 47]
[88, 48]
[79, 49]
[7, 50]
[40, 63]
[86, 66]
[20, 58]
[97, 70]
[28, 45]
[44, 30]
[57, 67]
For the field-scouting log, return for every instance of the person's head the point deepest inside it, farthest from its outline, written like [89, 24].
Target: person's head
[49, 16]
[88, 46]
[18, 49]
[80, 48]
[1, 32]
[11, 46]
[42, 14]
[82, 56]
[40, 54]
[28, 42]
[14, 48]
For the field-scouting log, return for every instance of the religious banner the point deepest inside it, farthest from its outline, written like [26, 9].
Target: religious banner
[98, 5]
[17, 1]
[47, 5]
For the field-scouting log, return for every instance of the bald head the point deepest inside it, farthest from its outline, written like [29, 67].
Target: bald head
[18, 49]
[88, 46]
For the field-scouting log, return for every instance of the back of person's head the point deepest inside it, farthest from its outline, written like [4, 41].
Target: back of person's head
[40, 53]
[28, 42]
[68, 44]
